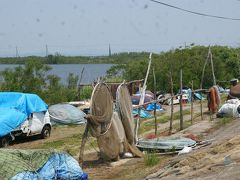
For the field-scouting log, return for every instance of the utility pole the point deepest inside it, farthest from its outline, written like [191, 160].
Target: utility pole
[17, 54]
[109, 51]
[46, 50]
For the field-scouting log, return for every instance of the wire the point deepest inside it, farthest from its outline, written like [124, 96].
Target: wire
[197, 13]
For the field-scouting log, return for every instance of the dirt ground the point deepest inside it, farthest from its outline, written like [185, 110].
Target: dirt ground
[220, 160]
[57, 133]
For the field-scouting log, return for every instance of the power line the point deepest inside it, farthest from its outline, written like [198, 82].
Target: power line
[197, 13]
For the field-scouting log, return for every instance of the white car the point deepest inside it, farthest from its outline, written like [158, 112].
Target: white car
[37, 124]
[22, 114]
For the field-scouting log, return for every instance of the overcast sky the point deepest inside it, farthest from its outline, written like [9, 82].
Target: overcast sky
[87, 27]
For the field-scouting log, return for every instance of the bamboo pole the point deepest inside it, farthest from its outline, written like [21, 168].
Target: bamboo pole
[155, 104]
[181, 109]
[171, 118]
[213, 74]
[142, 92]
[79, 84]
[192, 104]
[201, 108]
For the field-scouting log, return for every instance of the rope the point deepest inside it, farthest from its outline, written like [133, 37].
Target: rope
[110, 124]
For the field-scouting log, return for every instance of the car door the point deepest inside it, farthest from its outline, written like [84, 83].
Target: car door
[37, 122]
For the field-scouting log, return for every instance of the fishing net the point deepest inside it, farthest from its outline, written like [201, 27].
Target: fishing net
[124, 104]
[107, 127]
[18, 164]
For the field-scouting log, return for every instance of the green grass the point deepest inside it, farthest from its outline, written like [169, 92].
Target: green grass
[151, 159]
[69, 144]
[147, 125]
[223, 121]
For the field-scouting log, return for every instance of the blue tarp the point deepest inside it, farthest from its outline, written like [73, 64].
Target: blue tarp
[59, 166]
[16, 107]
[143, 113]
[150, 107]
[198, 96]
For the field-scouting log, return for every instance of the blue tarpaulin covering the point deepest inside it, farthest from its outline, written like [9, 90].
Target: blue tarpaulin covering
[198, 96]
[16, 107]
[59, 166]
[143, 113]
[150, 107]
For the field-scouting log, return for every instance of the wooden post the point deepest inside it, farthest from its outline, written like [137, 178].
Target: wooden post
[213, 74]
[181, 110]
[171, 118]
[192, 94]
[79, 87]
[201, 85]
[84, 140]
[142, 92]
[137, 124]
[155, 117]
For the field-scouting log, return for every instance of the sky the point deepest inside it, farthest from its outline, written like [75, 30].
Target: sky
[87, 27]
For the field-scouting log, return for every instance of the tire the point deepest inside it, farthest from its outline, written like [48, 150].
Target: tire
[46, 132]
[4, 141]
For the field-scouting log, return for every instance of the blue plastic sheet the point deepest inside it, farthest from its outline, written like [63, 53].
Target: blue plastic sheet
[24, 102]
[10, 119]
[16, 107]
[198, 96]
[143, 113]
[59, 166]
[150, 107]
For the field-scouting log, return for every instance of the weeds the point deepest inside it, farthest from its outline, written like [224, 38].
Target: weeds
[223, 121]
[69, 144]
[151, 159]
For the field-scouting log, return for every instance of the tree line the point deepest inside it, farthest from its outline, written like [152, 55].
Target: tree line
[226, 62]
[32, 76]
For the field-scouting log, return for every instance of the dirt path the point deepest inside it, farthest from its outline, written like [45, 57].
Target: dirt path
[57, 133]
[221, 160]
[165, 126]
[205, 163]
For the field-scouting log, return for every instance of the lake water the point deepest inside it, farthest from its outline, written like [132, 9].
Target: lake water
[91, 71]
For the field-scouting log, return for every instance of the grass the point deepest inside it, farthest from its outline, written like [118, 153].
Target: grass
[151, 159]
[147, 125]
[69, 144]
[223, 121]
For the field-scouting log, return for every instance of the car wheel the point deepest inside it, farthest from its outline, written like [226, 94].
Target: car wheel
[4, 141]
[46, 132]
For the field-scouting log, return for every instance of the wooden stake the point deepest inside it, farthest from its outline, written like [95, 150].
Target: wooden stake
[213, 74]
[171, 119]
[142, 97]
[192, 104]
[208, 56]
[181, 109]
[84, 140]
[79, 87]
[155, 105]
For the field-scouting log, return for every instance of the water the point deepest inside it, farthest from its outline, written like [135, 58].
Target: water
[91, 71]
